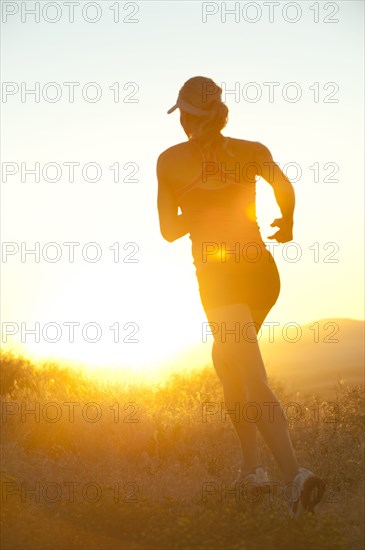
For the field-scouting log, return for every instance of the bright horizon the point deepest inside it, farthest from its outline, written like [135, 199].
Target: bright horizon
[158, 294]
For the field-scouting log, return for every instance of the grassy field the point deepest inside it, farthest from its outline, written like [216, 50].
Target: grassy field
[87, 465]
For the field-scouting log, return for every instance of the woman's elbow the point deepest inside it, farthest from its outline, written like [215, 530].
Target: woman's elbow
[167, 235]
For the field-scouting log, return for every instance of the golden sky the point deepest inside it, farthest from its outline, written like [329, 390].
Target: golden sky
[297, 87]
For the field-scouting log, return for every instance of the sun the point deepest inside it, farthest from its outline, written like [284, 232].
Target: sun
[143, 323]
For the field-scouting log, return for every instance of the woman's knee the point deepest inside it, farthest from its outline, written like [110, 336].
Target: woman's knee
[223, 367]
[260, 394]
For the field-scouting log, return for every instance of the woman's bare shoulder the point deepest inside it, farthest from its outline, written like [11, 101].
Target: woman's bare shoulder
[174, 151]
[253, 149]
[244, 144]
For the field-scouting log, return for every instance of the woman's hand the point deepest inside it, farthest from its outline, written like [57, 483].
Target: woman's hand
[285, 232]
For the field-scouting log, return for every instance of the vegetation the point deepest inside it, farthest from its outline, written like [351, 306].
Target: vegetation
[89, 465]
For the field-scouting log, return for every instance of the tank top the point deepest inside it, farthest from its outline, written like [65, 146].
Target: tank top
[221, 215]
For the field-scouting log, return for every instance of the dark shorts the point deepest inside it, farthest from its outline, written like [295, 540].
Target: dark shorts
[256, 283]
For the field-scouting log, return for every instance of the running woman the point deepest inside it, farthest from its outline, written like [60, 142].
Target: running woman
[212, 179]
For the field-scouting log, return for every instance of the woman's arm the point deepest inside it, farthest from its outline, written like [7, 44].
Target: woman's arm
[284, 194]
[172, 224]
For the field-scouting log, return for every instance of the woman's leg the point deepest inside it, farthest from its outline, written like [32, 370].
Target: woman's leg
[233, 389]
[244, 380]
[233, 393]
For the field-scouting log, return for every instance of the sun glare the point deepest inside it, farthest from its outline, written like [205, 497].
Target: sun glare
[114, 332]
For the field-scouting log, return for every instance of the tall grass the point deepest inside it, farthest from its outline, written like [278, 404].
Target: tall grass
[112, 466]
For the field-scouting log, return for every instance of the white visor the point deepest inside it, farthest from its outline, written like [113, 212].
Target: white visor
[188, 108]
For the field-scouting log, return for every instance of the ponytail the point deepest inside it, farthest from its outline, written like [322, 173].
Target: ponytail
[207, 129]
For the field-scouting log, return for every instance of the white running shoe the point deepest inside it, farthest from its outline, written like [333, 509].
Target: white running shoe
[255, 478]
[306, 491]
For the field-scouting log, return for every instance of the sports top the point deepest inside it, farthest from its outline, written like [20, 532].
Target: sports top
[222, 212]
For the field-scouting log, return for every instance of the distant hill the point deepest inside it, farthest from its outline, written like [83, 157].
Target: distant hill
[317, 360]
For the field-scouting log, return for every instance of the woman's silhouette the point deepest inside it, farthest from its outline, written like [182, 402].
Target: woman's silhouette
[212, 179]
